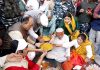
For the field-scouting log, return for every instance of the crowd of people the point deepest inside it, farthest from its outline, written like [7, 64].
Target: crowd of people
[49, 34]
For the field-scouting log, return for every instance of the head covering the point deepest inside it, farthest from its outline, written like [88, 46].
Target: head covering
[22, 44]
[44, 20]
[18, 44]
[59, 30]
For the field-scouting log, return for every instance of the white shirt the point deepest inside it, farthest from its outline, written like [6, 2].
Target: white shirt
[2, 60]
[32, 33]
[63, 41]
[34, 14]
[59, 53]
[32, 5]
[76, 45]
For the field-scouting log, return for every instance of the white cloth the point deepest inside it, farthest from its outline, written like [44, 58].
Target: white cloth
[15, 35]
[32, 5]
[2, 60]
[44, 7]
[59, 30]
[32, 33]
[23, 63]
[31, 55]
[44, 20]
[76, 45]
[22, 44]
[59, 53]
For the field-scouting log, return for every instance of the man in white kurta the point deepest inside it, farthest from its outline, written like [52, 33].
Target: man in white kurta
[59, 53]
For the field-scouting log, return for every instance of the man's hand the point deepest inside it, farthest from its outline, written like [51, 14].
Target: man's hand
[40, 39]
[87, 60]
[81, 10]
[89, 12]
[13, 57]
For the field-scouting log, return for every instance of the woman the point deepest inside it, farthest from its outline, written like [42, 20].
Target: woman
[25, 63]
[83, 53]
[70, 26]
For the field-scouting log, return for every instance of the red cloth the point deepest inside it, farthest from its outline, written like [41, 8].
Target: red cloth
[75, 59]
[15, 68]
[31, 66]
[67, 65]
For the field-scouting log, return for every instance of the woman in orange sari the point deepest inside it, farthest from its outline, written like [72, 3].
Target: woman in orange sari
[83, 53]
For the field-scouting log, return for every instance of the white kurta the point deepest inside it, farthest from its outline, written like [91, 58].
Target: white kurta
[88, 47]
[59, 53]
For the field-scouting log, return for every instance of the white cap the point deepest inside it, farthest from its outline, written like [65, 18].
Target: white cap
[22, 44]
[44, 20]
[59, 30]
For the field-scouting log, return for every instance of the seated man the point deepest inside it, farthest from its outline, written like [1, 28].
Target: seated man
[59, 40]
[83, 53]
[24, 63]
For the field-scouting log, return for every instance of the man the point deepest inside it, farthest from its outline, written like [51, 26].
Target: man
[31, 22]
[84, 14]
[27, 29]
[94, 34]
[59, 53]
[95, 27]
[39, 19]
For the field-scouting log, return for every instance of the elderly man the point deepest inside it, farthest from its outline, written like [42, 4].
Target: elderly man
[30, 24]
[39, 19]
[59, 53]
[27, 28]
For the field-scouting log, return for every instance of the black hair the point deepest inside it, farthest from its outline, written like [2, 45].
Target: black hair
[68, 15]
[14, 45]
[83, 36]
[25, 19]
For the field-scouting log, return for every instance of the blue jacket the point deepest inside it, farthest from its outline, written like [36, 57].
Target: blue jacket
[96, 24]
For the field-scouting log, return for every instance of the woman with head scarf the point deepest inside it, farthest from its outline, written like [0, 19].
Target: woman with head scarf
[83, 53]
[70, 26]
